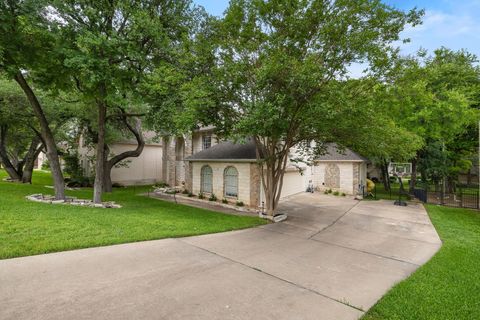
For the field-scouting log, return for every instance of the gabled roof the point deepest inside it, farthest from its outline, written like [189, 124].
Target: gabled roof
[333, 153]
[225, 151]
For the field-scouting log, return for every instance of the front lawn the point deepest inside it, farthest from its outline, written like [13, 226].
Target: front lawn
[448, 286]
[28, 228]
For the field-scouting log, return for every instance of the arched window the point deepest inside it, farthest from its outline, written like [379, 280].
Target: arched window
[231, 182]
[206, 179]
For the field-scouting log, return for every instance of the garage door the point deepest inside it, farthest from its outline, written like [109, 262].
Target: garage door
[293, 183]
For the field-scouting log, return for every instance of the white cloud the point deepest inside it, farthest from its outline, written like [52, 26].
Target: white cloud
[457, 29]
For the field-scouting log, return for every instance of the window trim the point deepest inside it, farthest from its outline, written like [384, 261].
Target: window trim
[225, 182]
[206, 141]
[202, 179]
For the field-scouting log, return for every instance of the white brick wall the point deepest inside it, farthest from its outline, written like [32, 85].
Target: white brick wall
[218, 169]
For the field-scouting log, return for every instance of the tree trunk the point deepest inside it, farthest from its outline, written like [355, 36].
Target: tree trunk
[272, 170]
[29, 160]
[137, 132]
[47, 135]
[385, 175]
[413, 178]
[100, 154]
[7, 164]
[107, 179]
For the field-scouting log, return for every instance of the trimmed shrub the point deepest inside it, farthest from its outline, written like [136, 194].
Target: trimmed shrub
[201, 196]
[336, 193]
[224, 201]
[240, 204]
[213, 197]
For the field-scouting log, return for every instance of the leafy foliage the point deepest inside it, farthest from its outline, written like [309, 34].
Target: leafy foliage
[280, 71]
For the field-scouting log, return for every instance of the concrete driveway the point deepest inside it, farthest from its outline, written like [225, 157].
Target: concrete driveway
[332, 259]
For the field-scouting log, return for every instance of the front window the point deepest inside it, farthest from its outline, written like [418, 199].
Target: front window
[206, 179]
[231, 182]
[206, 142]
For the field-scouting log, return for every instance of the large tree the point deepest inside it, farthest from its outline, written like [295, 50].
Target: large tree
[378, 134]
[437, 98]
[110, 46]
[26, 47]
[20, 144]
[280, 65]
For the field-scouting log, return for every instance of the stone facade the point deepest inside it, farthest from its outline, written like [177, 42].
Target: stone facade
[169, 164]
[176, 170]
[332, 176]
[255, 185]
[187, 170]
[356, 176]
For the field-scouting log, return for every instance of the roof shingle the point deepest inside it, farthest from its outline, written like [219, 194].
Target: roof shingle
[227, 151]
[333, 153]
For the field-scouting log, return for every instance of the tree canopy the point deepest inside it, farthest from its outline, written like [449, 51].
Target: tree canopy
[280, 68]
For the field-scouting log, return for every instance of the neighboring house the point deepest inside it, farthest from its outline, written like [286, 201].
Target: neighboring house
[146, 169]
[471, 177]
[42, 157]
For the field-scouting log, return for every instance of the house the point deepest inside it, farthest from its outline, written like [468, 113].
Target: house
[230, 171]
[201, 163]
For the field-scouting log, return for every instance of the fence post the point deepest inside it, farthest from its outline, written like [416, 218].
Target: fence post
[478, 198]
[426, 191]
[442, 193]
[461, 197]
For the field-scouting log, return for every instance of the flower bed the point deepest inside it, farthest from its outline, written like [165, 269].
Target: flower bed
[71, 201]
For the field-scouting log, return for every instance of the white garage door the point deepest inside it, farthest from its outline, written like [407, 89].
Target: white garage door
[293, 183]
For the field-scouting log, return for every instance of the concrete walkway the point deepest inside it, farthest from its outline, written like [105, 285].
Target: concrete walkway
[333, 259]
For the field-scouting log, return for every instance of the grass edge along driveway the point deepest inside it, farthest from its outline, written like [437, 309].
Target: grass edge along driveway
[446, 287]
[30, 228]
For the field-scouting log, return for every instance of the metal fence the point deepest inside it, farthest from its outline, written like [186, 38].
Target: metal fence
[460, 196]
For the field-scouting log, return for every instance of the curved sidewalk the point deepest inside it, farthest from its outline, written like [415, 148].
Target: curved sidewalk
[332, 259]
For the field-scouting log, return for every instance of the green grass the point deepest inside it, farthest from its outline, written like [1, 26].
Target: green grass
[29, 228]
[448, 286]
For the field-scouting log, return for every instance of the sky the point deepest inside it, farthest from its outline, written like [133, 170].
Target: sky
[454, 24]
